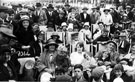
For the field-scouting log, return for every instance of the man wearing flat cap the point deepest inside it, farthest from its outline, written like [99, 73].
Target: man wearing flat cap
[85, 17]
[40, 15]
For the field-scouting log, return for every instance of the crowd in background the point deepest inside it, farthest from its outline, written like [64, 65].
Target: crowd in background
[48, 43]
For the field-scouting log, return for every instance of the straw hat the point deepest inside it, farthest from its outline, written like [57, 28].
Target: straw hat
[64, 24]
[51, 42]
[55, 34]
[86, 24]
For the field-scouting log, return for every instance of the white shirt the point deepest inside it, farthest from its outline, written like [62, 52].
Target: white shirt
[118, 79]
[83, 33]
[76, 58]
[84, 15]
[106, 19]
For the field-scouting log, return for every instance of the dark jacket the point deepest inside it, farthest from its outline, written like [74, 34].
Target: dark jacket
[24, 37]
[125, 48]
[4, 73]
[35, 49]
[87, 19]
[59, 20]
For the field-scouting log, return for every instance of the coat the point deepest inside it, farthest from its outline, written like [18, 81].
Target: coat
[124, 47]
[40, 18]
[87, 19]
[24, 37]
[4, 73]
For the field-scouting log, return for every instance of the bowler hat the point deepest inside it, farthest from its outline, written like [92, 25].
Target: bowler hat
[50, 6]
[85, 8]
[106, 9]
[38, 5]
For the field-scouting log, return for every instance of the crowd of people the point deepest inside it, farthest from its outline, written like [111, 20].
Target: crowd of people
[48, 43]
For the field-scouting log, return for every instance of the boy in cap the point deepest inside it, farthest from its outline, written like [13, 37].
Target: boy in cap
[97, 74]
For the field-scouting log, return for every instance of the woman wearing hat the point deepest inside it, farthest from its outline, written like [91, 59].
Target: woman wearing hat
[47, 58]
[106, 18]
[85, 32]
[24, 32]
[56, 38]
[7, 67]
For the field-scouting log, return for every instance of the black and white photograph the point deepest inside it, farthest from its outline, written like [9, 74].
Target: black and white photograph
[67, 40]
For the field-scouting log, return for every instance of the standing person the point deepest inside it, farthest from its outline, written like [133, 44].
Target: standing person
[40, 15]
[95, 15]
[60, 18]
[106, 18]
[84, 16]
[66, 9]
[51, 16]
[7, 67]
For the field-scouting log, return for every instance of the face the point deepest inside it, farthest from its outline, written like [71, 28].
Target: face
[41, 37]
[106, 12]
[105, 54]
[67, 7]
[73, 10]
[35, 28]
[5, 58]
[118, 73]
[78, 73]
[111, 46]
[84, 10]
[79, 49]
[86, 27]
[52, 48]
[50, 9]
[25, 24]
[104, 34]
[133, 49]
[4, 39]
[101, 26]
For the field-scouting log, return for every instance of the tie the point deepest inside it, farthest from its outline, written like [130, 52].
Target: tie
[50, 13]
[122, 44]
